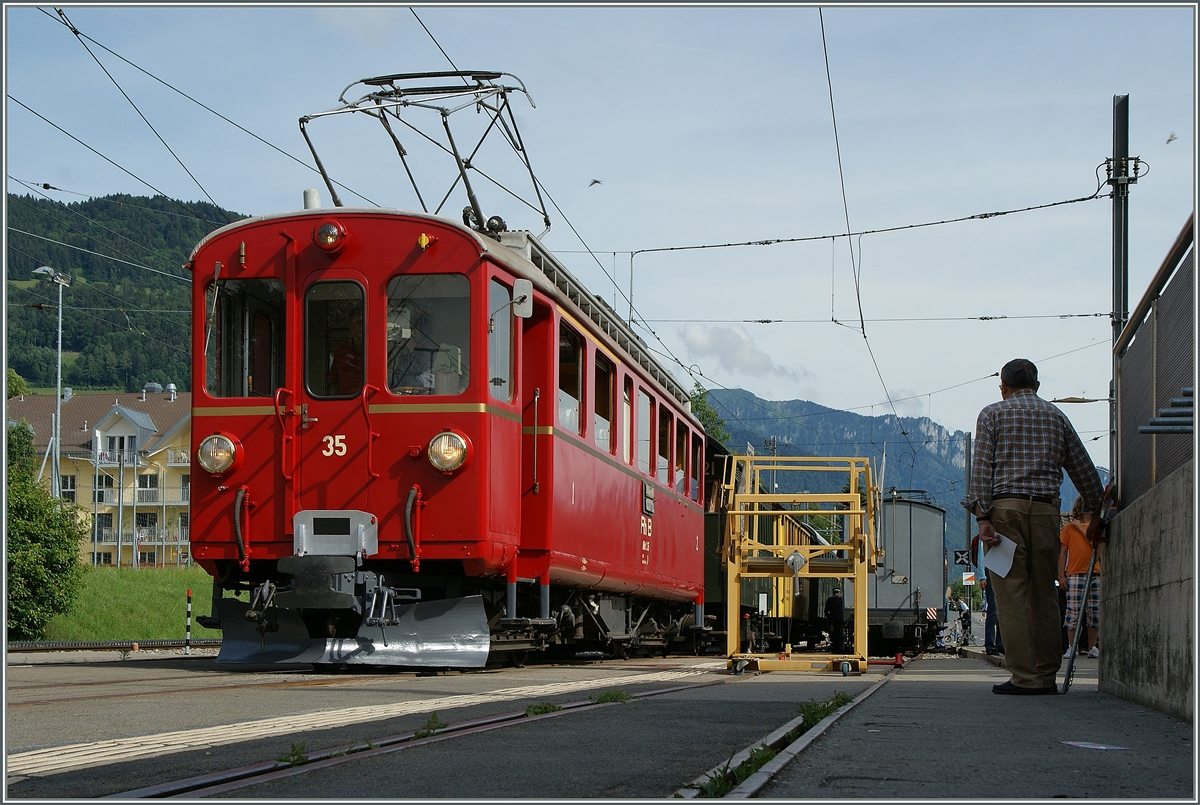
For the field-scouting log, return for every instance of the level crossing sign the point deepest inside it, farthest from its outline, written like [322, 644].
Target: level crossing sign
[962, 557]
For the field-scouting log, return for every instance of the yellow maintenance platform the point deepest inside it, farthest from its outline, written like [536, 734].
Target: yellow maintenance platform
[776, 544]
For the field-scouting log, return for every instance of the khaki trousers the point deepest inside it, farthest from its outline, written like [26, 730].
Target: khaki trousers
[1026, 599]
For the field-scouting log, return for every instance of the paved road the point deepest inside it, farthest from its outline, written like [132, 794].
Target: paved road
[156, 721]
[892, 745]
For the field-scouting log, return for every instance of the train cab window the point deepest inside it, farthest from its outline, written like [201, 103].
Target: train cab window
[333, 339]
[603, 414]
[664, 446]
[627, 422]
[570, 378]
[500, 330]
[429, 334]
[244, 338]
[681, 453]
[697, 464]
[645, 413]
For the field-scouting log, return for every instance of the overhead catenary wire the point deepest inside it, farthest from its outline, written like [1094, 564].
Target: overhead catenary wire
[202, 105]
[108, 199]
[116, 165]
[862, 320]
[98, 254]
[101, 226]
[145, 120]
[855, 270]
[1002, 317]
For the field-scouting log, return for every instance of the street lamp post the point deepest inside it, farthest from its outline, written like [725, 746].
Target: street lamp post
[62, 281]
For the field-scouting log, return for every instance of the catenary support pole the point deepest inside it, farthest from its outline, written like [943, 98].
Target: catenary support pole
[1119, 179]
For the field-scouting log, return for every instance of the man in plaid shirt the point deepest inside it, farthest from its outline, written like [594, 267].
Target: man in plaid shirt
[1022, 445]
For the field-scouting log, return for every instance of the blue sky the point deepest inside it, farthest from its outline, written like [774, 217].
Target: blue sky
[705, 125]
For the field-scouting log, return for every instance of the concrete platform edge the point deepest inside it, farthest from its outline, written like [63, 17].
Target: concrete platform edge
[756, 781]
[692, 789]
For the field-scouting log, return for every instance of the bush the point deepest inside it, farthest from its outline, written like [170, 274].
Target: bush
[45, 573]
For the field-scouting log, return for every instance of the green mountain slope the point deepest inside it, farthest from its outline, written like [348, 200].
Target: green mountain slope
[126, 314]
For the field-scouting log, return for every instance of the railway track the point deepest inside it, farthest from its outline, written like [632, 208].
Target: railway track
[223, 782]
[34, 646]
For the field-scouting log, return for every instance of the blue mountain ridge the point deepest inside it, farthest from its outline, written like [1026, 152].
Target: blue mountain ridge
[921, 454]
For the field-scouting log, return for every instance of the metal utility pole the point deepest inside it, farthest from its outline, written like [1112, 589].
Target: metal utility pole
[967, 481]
[62, 281]
[772, 444]
[1119, 178]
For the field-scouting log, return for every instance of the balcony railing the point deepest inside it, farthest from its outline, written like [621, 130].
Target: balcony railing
[179, 458]
[109, 496]
[114, 458]
[145, 536]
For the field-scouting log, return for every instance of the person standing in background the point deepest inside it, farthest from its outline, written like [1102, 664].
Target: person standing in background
[835, 614]
[1073, 561]
[993, 644]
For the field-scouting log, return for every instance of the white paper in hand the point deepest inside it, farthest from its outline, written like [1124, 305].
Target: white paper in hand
[999, 558]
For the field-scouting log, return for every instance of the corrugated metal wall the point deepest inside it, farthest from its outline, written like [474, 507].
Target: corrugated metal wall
[1158, 363]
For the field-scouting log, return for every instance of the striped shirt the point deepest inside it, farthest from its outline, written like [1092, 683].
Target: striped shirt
[1022, 445]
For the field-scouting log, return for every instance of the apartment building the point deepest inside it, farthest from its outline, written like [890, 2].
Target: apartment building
[125, 461]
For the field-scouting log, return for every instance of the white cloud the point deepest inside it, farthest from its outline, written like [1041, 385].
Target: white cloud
[906, 402]
[734, 350]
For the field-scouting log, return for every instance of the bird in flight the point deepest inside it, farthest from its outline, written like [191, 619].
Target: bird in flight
[1172, 137]
[595, 181]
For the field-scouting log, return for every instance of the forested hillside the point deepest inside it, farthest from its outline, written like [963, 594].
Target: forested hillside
[126, 314]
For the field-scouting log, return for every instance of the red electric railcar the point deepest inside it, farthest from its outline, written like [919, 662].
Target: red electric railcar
[421, 443]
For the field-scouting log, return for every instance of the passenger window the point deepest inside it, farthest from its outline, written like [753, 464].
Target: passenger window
[570, 377]
[602, 420]
[645, 411]
[500, 329]
[681, 452]
[664, 446]
[333, 317]
[244, 338]
[429, 334]
[697, 463]
[627, 422]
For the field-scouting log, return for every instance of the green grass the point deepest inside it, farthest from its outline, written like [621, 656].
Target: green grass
[610, 695]
[144, 604]
[431, 727]
[541, 709]
[725, 779]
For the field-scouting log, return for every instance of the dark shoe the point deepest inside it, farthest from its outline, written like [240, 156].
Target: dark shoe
[1012, 690]
[995, 653]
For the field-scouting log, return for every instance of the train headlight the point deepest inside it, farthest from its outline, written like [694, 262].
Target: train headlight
[449, 451]
[330, 236]
[217, 454]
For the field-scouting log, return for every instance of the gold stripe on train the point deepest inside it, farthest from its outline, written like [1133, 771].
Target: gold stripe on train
[442, 408]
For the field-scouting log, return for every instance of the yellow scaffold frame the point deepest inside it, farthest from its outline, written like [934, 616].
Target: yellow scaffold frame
[763, 533]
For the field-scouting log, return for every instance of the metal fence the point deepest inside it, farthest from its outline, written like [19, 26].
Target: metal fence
[1155, 363]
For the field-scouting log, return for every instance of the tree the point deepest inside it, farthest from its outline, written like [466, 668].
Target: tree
[16, 384]
[45, 574]
[712, 422]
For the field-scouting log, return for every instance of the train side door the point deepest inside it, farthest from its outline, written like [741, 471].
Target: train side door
[334, 455]
[538, 400]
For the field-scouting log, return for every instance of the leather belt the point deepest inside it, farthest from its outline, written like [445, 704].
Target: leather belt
[1030, 498]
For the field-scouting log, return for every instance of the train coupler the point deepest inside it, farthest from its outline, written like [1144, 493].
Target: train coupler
[264, 597]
